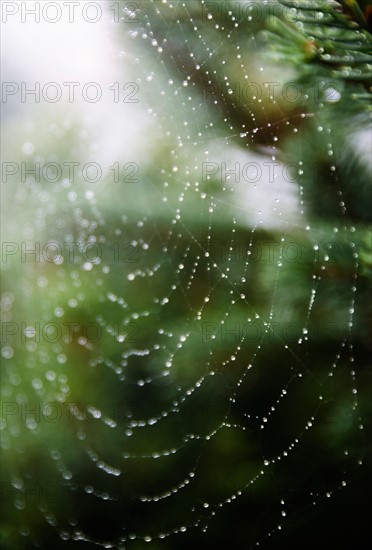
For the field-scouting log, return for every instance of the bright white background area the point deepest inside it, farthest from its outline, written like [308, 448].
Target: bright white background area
[80, 51]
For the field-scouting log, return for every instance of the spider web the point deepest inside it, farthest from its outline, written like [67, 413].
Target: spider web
[224, 385]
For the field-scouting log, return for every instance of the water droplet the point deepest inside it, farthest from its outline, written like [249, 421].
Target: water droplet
[28, 148]
[7, 352]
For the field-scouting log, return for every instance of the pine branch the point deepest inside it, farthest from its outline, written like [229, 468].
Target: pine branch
[330, 39]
